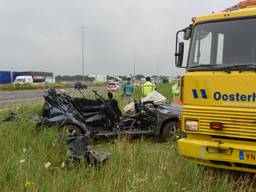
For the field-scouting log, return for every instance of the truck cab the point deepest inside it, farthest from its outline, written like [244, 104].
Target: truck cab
[218, 90]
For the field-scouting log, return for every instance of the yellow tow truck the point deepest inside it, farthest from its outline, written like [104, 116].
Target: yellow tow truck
[218, 90]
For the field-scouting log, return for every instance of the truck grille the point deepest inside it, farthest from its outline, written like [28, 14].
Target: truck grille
[237, 122]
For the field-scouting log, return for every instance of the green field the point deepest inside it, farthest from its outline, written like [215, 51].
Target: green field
[135, 165]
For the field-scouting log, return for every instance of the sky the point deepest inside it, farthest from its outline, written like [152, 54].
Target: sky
[45, 35]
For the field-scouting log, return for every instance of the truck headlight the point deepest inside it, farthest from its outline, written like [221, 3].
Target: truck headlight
[191, 125]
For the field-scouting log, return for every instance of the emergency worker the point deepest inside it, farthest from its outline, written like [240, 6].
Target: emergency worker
[148, 87]
[176, 92]
[128, 88]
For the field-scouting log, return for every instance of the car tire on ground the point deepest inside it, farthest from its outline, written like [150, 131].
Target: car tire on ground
[71, 131]
[169, 131]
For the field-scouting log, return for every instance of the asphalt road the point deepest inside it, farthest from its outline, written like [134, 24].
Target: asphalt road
[15, 97]
[18, 97]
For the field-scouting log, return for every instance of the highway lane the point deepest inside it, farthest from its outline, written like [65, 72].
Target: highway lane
[15, 97]
[18, 97]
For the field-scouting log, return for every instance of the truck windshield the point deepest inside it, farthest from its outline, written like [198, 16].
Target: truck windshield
[224, 45]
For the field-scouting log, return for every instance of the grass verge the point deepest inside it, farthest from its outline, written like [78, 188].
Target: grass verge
[19, 87]
[135, 165]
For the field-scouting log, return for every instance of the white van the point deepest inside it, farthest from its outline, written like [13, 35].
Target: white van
[50, 80]
[23, 79]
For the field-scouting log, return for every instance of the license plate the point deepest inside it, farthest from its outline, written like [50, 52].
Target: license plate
[246, 155]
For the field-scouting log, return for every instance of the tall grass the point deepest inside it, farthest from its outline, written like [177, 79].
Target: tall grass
[135, 165]
[18, 87]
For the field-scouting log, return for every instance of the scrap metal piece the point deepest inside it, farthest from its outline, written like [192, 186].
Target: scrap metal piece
[10, 117]
[79, 148]
[98, 156]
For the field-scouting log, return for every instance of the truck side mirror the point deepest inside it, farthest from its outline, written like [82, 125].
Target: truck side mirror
[179, 55]
[187, 33]
[179, 47]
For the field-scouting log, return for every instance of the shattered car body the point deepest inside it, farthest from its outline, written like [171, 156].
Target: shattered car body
[80, 149]
[151, 119]
[102, 117]
[59, 111]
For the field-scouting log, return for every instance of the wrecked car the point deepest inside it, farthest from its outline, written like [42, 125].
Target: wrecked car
[102, 118]
[151, 119]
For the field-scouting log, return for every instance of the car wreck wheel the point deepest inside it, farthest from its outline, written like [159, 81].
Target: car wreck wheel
[71, 131]
[169, 130]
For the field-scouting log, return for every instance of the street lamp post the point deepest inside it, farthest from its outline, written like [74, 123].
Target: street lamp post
[157, 65]
[133, 61]
[83, 49]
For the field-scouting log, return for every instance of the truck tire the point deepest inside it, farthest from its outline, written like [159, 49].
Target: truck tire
[169, 131]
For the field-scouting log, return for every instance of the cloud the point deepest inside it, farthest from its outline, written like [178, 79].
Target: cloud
[45, 35]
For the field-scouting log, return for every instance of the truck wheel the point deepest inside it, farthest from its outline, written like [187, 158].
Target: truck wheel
[169, 130]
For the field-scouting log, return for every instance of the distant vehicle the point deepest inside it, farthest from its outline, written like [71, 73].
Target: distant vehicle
[113, 86]
[80, 85]
[49, 80]
[23, 79]
[157, 80]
